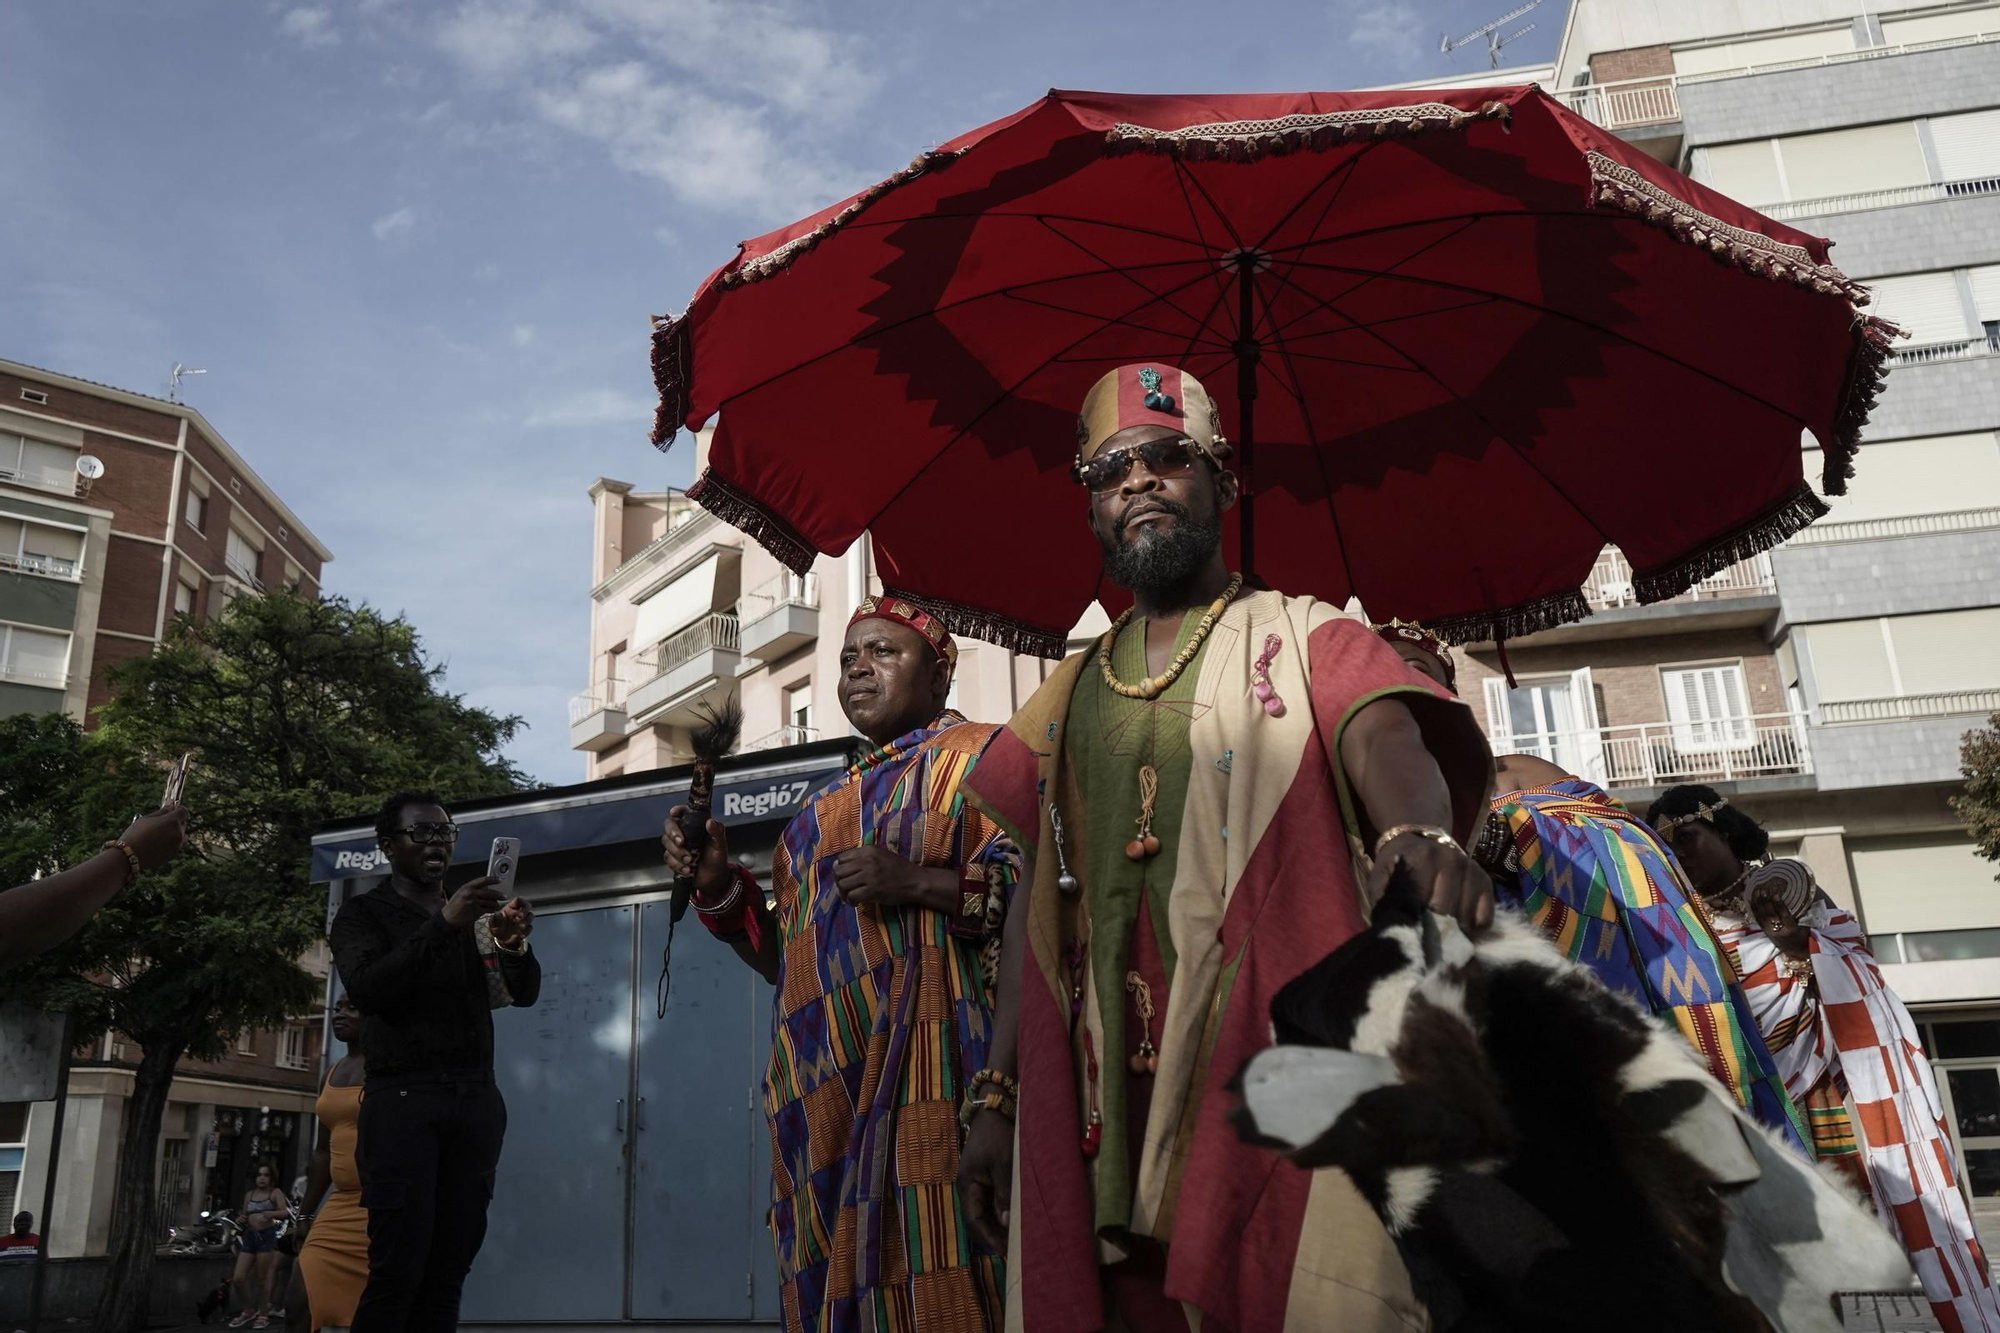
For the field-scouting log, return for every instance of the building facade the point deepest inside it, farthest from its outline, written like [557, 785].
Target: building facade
[1826, 686]
[119, 511]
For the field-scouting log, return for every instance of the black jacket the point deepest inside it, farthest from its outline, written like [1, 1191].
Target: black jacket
[420, 986]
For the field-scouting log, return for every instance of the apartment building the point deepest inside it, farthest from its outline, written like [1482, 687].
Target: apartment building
[687, 611]
[118, 511]
[1826, 685]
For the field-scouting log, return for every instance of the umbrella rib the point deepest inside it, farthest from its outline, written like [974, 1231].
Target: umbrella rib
[1480, 417]
[1370, 276]
[1117, 270]
[974, 419]
[1117, 321]
[1181, 181]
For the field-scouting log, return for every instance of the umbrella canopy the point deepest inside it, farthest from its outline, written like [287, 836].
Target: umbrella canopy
[1462, 339]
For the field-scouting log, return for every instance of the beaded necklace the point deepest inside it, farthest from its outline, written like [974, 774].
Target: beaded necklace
[1154, 686]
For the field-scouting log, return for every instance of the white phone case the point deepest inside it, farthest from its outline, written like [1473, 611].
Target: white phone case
[500, 864]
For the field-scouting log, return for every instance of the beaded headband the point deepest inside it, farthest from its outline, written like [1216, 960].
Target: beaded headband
[909, 613]
[1409, 631]
[1668, 823]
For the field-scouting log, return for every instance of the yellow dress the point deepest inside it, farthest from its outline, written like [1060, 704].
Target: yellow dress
[335, 1257]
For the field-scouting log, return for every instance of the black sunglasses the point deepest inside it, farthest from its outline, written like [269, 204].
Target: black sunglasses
[1167, 458]
[425, 834]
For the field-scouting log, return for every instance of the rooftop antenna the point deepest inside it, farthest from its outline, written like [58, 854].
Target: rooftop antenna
[1491, 32]
[181, 372]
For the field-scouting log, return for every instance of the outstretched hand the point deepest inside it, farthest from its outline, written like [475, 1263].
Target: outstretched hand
[1452, 883]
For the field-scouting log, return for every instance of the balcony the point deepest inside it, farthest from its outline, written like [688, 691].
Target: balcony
[1902, 708]
[1900, 197]
[783, 736]
[1628, 104]
[692, 667]
[237, 570]
[47, 566]
[1960, 349]
[47, 479]
[1610, 582]
[1741, 595]
[1661, 754]
[597, 717]
[1908, 525]
[780, 616]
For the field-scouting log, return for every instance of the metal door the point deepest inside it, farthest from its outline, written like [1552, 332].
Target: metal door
[693, 1193]
[555, 1237]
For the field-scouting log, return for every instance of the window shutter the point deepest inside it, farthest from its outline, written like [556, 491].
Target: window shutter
[1926, 305]
[1968, 145]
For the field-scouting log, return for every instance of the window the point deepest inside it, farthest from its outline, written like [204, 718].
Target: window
[799, 711]
[1554, 717]
[1761, 172]
[184, 594]
[36, 656]
[1707, 706]
[197, 509]
[1926, 305]
[51, 467]
[1942, 652]
[37, 548]
[1921, 885]
[246, 1043]
[34, 396]
[1985, 282]
[295, 1051]
[13, 1150]
[1968, 146]
[1907, 478]
[240, 556]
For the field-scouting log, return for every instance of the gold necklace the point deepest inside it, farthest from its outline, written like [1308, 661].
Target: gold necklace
[1154, 686]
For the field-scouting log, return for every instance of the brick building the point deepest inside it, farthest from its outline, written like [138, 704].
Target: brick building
[95, 558]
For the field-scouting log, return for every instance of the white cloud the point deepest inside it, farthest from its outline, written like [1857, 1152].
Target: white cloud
[393, 224]
[309, 25]
[523, 334]
[1389, 26]
[592, 407]
[486, 272]
[727, 103]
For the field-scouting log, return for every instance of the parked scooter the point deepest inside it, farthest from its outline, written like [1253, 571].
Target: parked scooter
[213, 1233]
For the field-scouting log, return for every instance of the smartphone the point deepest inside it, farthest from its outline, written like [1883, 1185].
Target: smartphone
[500, 864]
[177, 780]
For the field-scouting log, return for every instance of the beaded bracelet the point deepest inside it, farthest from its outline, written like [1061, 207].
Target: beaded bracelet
[1430, 832]
[1008, 1083]
[992, 1101]
[131, 858]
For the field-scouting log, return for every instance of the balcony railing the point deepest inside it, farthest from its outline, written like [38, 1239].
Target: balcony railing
[1908, 525]
[785, 590]
[605, 694]
[1907, 706]
[49, 566]
[46, 479]
[1961, 349]
[712, 632]
[1654, 754]
[1610, 583]
[236, 570]
[35, 676]
[1869, 199]
[791, 735]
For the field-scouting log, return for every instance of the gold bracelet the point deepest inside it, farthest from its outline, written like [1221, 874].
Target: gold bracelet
[1429, 832]
[131, 859]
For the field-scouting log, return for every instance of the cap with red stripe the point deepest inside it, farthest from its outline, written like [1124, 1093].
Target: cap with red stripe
[1146, 395]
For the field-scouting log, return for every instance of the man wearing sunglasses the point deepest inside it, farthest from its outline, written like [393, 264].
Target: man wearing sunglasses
[1191, 794]
[432, 1120]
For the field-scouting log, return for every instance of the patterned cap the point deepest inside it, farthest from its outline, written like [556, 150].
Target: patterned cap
[1140, 395]
[1409, 631]
[909, 613]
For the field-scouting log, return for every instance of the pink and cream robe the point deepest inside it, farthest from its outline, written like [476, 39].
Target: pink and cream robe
[1148, 981]
[1840, 1036]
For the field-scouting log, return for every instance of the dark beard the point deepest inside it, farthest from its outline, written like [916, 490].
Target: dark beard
[1163, 561]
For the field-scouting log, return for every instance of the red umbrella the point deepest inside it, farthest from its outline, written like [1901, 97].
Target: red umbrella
[1470, 337]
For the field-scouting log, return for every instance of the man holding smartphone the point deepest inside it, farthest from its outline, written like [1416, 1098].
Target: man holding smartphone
[432, 1120]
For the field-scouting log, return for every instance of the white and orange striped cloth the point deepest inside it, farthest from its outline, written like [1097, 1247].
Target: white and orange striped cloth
[1844, 1037]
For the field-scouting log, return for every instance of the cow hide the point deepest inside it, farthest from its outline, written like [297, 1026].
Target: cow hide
[1547, 1156]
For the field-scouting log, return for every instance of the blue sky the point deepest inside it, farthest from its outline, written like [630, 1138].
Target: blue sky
[415, 244]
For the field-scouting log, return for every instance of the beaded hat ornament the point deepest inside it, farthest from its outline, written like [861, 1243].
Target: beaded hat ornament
[1409, 631]
[909, 613]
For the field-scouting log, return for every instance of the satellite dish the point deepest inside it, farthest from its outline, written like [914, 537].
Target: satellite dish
[89, 467]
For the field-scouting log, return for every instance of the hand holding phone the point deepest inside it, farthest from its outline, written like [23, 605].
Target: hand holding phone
[177, 776]
[500, 864]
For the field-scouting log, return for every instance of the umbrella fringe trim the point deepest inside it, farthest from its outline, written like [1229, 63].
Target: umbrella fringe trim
[741, 511]
[1616, 185]
[1514, 622]
[776, 261]
[1787, 518]
[1248, 140]
[671, 355]
[1867, 372]
[1016, 636]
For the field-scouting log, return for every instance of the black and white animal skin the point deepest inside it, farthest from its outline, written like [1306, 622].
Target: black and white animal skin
[1546, 1156]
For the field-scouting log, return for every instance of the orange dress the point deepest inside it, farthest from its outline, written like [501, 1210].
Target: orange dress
[335, 1257]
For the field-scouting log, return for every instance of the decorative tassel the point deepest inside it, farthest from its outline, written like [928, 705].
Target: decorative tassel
[740, 510]
[1790, 516]
[1014, 635]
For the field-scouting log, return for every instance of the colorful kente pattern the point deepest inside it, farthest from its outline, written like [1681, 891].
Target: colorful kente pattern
[880, 1016]
[1599, 884]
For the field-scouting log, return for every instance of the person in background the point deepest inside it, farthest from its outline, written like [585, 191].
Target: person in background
[1841, 1038]
[22, 1240]
[37, 916]
[1601, 887]
[890, 892]
[432, 1119]
[332, 1268]
[264, 1206]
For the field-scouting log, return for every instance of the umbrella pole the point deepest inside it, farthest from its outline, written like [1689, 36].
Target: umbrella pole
[1247, 354]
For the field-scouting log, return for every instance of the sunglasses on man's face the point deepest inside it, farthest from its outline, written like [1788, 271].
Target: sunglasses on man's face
[1166, 459]
[427, 833]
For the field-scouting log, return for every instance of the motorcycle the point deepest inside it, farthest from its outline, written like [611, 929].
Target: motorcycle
[215, 1232]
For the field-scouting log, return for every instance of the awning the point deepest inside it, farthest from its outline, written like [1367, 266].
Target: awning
[677, 605]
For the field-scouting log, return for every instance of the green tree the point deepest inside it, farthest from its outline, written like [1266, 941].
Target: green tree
[1979, 804]
[298, 711]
